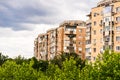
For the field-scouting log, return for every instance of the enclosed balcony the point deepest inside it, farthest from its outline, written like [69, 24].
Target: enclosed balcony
[70, 29]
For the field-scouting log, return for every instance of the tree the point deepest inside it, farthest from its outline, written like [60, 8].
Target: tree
[3, 58]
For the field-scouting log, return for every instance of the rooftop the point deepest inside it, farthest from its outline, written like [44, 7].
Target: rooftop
[72, 23]
[106, 2]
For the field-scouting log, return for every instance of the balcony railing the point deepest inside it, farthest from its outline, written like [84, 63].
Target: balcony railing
[70, 32]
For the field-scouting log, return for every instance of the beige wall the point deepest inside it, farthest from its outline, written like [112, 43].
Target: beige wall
[96, 28]
[116, 43]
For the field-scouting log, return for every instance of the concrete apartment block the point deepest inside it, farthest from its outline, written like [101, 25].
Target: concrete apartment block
[105, 25]
[68, 37]
[87, 39]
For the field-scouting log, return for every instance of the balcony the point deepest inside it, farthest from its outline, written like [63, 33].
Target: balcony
[106, 43]
[88, 45]
[114, 13]
[88, 57]
[88, 54]
[70, 47]
[88, 21]
[87, 37]
[70, 44]
[106, 33]
[88, 30]
[70, 32]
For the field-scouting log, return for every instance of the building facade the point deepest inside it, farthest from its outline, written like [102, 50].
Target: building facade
[105, 27]
[68, 37]
[88, 39]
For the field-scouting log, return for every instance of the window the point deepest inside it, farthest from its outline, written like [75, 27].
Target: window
[94, 58]
[118, 28]
[107, 19]
[107, 9]
[118, 38]
[118, 9]
[94, 49]
[101, 21]
[101, 31]
[117, 48]
[87, 33]
[87, 41]
[107, 38]
[95, 14]
[88, 57]
[118, 19]
[101, 50]
[95, 23]
[65, 48]
[88, 50]
[107, 28]
[94, 32]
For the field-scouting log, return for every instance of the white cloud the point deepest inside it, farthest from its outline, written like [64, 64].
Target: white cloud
[32, 17]
[14, 43]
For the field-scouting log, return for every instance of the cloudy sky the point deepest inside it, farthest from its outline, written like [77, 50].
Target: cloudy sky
[22, 20]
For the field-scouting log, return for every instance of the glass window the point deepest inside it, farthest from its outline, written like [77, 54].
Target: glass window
[87, 33]
[88, 50]
[118, 19]
[95, 14]
[94, 58]
[88, 57]
[94, 32]
[87, 41]
[117, 48]
[94, 49]
[107, 9]
[118, 9]
[118, 28]
[118, 38]
[101, 50]
[107, 28]
[95, 23]
[106, 19]
[101, 31]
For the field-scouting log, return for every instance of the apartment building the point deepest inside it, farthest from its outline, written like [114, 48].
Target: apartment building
[68, 37]
[87, 39]
[73, 37]
[40, 47]
[52, 43]
[105, 27]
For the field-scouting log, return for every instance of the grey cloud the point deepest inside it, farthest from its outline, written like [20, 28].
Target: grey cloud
[15, 12]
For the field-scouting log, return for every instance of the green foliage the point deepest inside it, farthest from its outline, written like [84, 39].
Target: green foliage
[65, 67]
[2, 58]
